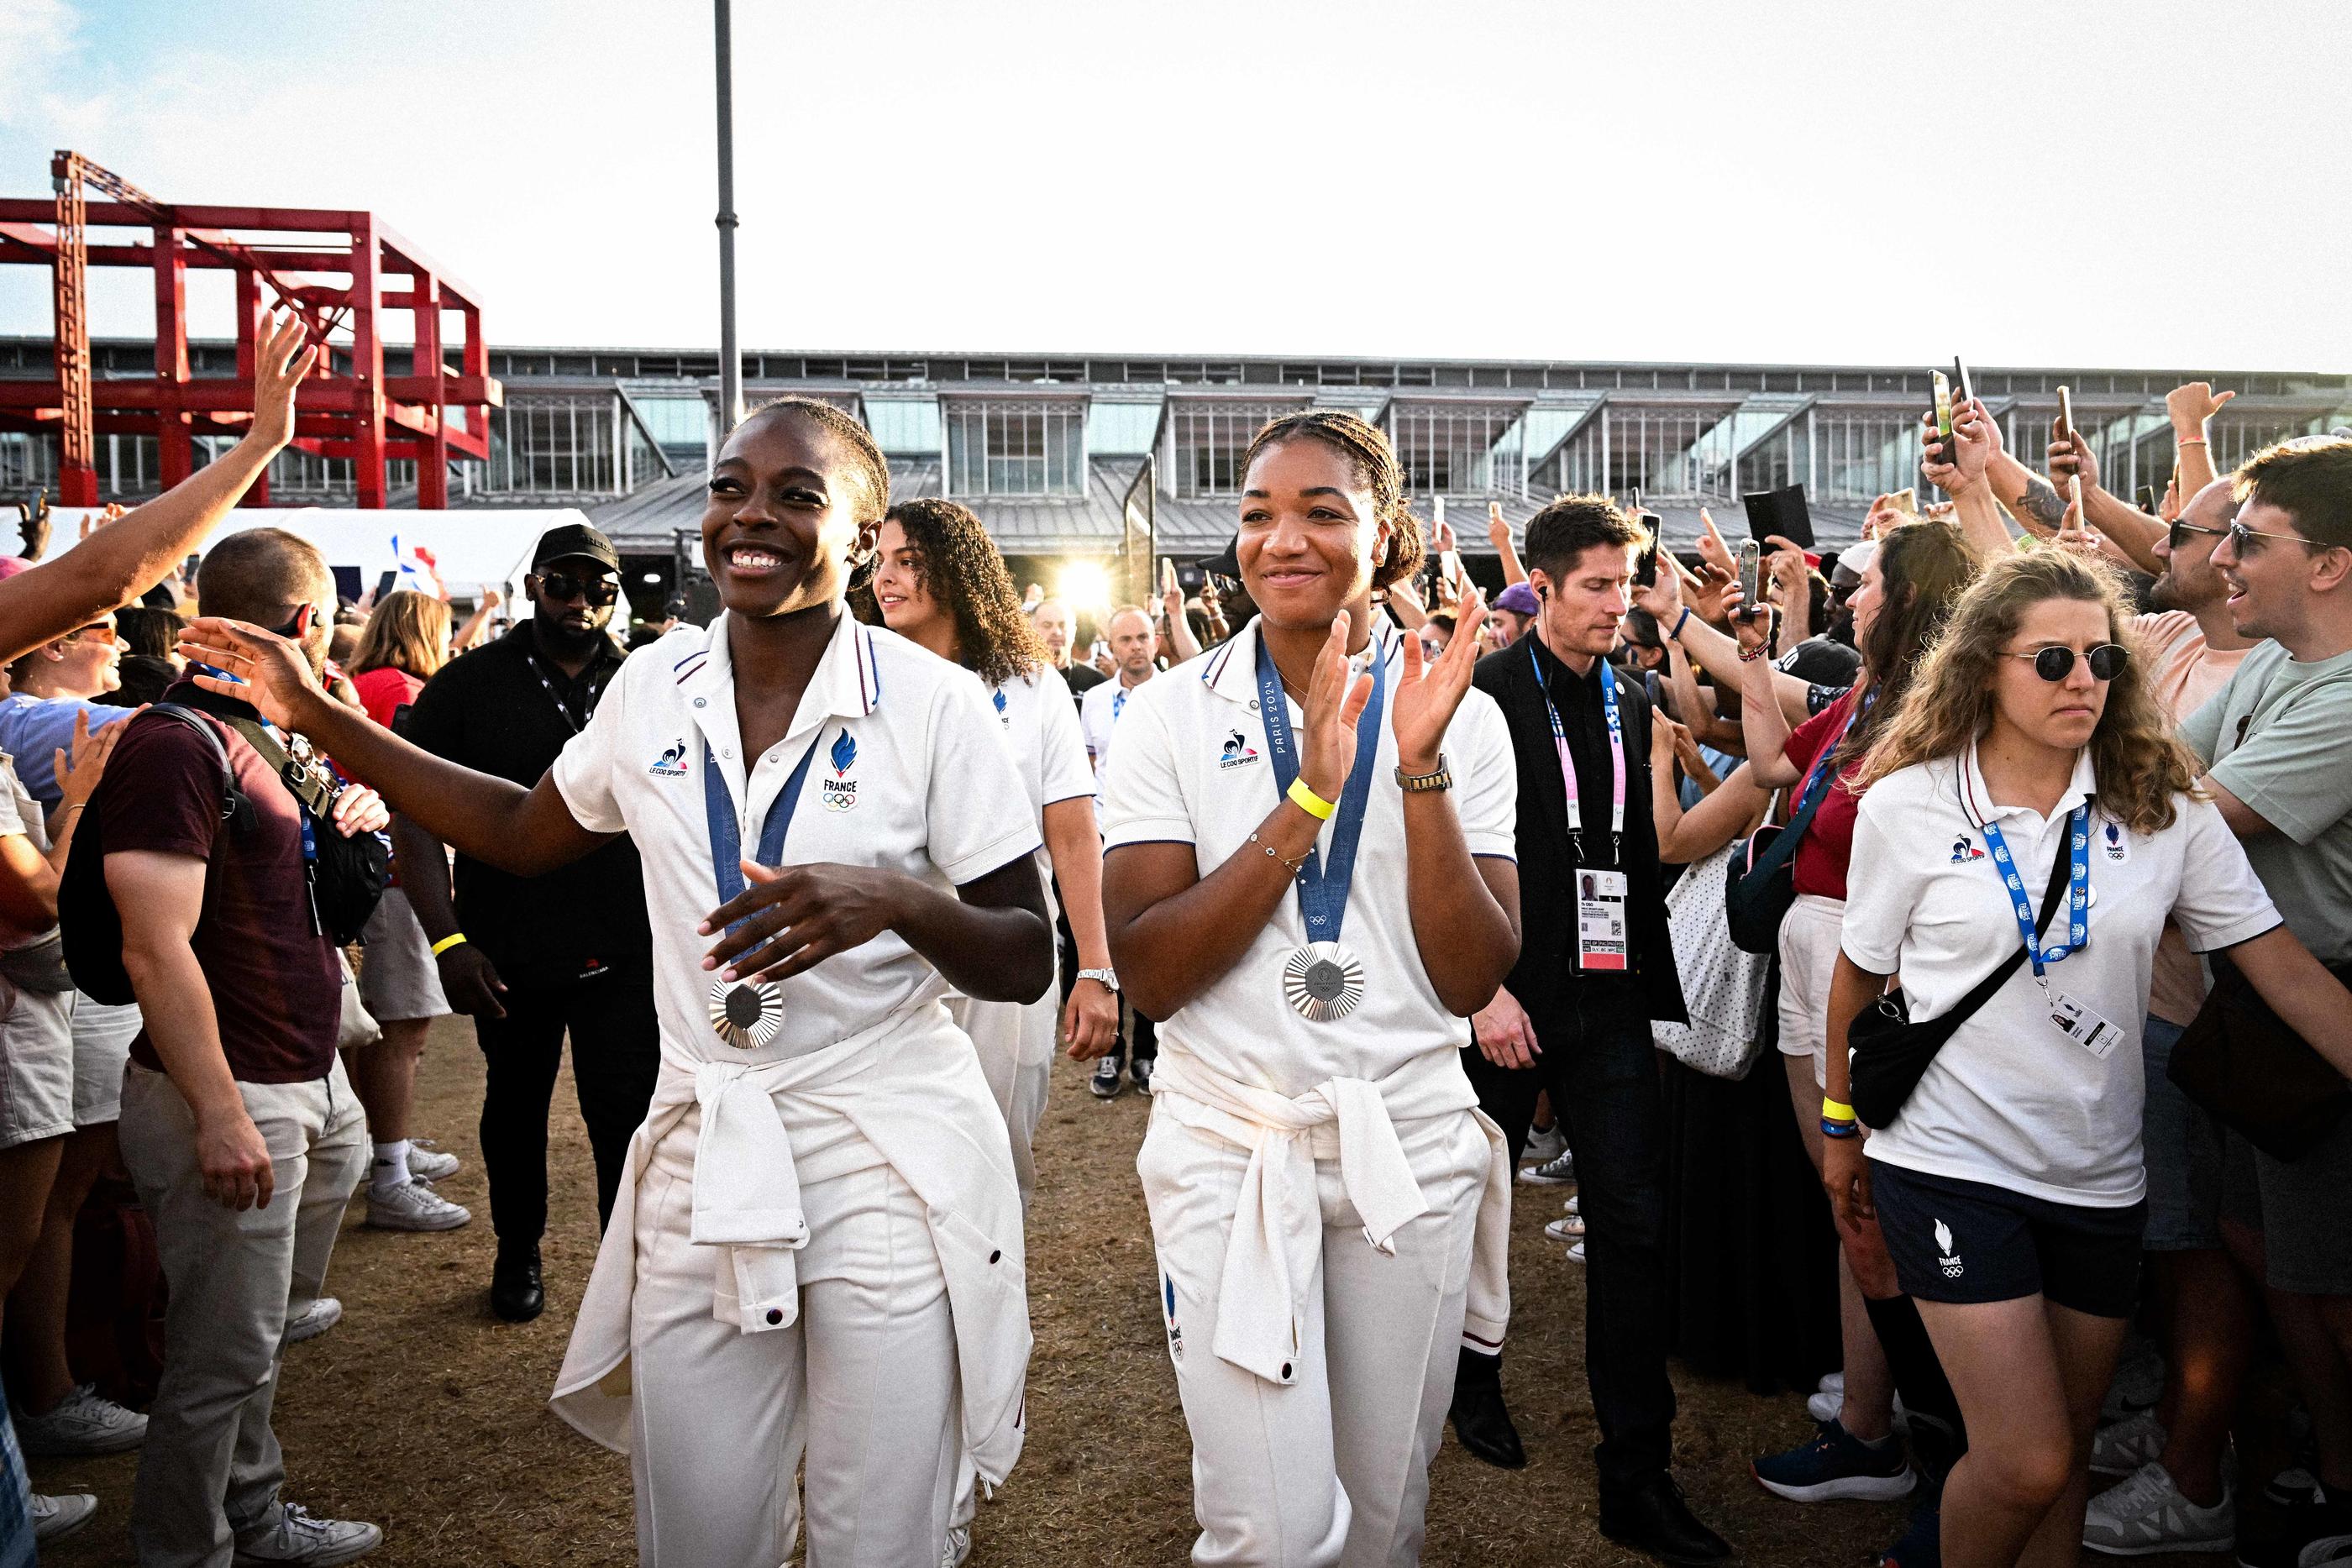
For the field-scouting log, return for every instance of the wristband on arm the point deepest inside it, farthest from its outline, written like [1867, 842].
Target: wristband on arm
[447, 942]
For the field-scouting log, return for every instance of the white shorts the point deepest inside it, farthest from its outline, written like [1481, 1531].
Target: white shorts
[37, 1066]
[399, 977]
[101, 1049]
[1809, 952]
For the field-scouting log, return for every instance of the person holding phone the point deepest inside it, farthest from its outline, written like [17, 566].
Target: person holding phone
[1310, 879]
[2031, 759]
[815, 1263]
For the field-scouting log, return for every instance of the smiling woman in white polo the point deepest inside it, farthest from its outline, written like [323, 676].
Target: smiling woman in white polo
[1310, 879]
[2030, 767]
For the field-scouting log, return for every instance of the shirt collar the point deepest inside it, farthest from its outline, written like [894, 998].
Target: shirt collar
[1977, 802]
[1231, 670]
[846, 685]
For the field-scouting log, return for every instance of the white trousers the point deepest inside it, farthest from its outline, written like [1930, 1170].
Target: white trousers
[1333, 1469]
[1015, 1041]
[862, 1389]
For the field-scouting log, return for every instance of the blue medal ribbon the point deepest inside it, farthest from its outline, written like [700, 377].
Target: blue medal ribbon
[2078, 895]
[725, 840]
[1323, 885]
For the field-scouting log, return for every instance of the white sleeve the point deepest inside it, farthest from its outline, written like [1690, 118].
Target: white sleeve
[1143, 797]
[11, 820]
[1486, 777]
[1878, 907]
[976, 807]
[1063, 768]
[2222, 901]
[583, 769]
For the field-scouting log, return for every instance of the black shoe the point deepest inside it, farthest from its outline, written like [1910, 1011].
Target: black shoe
[516, 1292]
[1922, 1545]
[2297, 1527]
[1139, 1073]
[1653, 1519]
[1482, 1423]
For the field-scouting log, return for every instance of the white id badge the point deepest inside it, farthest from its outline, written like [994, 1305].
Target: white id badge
[2082, 1026]
[1601, 920]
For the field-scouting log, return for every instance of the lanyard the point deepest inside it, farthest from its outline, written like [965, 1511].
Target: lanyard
[725, 840]
[596, 691]
[2078, 894]
[1323, 884]
[1818, 780]
[1118, 703]
[1568, 767]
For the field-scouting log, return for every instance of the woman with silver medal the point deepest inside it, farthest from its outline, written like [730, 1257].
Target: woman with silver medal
[1308, 877]
[810, 1296]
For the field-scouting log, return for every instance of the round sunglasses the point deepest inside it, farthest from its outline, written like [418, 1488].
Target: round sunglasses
[2055, 664]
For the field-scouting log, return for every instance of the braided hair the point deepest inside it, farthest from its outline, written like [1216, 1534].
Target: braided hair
[959, 565]
[1366, 449]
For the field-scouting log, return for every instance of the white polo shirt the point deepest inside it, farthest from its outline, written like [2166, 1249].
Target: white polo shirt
[910, 773]
[2010, 1101]
[1100, 709]
[1040, 723]
[1192, 767]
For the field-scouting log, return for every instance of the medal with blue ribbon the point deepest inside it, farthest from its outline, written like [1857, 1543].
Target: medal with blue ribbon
[1322, 980]
[746, 1014]
[2078, 892]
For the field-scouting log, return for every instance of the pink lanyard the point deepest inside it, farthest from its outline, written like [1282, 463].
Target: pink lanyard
[1567, 767]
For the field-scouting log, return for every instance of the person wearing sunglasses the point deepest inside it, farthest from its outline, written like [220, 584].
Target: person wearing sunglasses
[529, 958]
[2030, 763]
[2273, 741]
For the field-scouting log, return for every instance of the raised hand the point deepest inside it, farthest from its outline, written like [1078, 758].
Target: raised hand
[79, 771]
[1751, 625]
[279, 365]
[1712, 550]
[1498, 531]
[2192, 404]
[2071, 534]
[269, 671]
[1335, 700]
[1428, 691]
[2070, 457]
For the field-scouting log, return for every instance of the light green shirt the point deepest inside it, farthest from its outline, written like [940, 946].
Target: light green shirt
[2278, 737]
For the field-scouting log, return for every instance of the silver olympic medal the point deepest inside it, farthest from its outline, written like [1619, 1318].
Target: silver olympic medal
[1323, 981]
[747, 1013]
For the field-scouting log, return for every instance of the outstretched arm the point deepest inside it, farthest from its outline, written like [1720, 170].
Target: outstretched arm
[130, 555]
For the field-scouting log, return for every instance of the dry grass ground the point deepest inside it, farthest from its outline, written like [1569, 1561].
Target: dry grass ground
[424, 1414]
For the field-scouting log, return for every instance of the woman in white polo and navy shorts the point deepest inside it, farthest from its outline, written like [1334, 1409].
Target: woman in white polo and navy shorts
[2009, 1185]
[1309, 880]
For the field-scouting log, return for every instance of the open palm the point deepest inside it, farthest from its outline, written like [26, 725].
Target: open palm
[1429, 691]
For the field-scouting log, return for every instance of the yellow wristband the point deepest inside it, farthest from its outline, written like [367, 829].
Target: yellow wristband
[446, 943]
[1832, 1110]
[1308, 801]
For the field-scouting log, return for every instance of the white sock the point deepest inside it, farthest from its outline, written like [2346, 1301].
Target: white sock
[391, 1168]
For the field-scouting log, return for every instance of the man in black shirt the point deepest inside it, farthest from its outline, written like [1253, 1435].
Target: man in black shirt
[530, 957]
[1054, 629]
[1595, 966]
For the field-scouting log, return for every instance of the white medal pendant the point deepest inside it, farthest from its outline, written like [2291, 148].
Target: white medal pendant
[1323, 981]
[747, 1013]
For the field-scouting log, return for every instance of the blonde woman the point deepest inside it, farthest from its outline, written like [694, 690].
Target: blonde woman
[2030, 759]
[403, 645]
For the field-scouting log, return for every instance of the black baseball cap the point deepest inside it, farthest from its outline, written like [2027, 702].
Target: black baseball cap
[574, 539]
[1227, 563]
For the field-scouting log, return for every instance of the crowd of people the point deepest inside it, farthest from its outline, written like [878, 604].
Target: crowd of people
[1398, 904]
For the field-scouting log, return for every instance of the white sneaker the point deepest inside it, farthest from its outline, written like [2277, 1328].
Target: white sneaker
[428, 1162]
[2147, 1515]
[55, 1518]
[1570, 1206]
[83, 1423]
[1554, 1172]
[324, 1313]
[298, 1537]
[1576, 1253]
[2327, 1552]
[957, 1547]
[2127, 1447]
[1566, 1227]
[1829, 1405]
[412, 1206]
[1834, 1383]
[1546, 1144]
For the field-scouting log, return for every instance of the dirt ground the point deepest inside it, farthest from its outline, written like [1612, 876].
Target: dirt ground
[424, 1413]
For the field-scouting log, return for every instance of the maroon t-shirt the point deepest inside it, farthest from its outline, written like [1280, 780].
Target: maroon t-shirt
[1822, 855]
[276, 982]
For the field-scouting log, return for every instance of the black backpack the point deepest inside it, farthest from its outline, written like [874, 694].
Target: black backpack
[347, 876]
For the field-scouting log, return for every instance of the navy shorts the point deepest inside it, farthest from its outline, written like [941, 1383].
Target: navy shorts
[1968, 1243]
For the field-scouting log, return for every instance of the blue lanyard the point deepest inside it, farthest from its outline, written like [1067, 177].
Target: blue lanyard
[1818, 780]
[1323, 884]
[1568, 767]
[2078, 896]
[1118, 704]
[726, 841]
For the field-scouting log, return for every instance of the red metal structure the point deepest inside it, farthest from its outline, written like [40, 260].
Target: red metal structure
[339, 275]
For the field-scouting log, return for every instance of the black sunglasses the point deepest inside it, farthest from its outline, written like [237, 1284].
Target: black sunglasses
[562, 587]
[2055, 664]
[2178, 534]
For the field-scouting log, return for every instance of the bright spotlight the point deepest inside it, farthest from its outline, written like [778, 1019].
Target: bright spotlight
[1084, 585]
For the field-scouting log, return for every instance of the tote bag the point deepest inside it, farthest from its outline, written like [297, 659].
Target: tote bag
[1723, 984]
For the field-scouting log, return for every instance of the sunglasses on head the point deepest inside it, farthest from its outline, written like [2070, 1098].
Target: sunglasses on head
[562, 587]
[2055, 664]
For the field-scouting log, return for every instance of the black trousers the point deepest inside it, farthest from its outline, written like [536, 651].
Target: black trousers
[616, 1056]
[1601, 1068]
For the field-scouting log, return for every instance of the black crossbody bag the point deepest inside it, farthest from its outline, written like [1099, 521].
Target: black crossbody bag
[1891, 1052]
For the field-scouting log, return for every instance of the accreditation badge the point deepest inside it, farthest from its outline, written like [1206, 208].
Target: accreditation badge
[1601, 943]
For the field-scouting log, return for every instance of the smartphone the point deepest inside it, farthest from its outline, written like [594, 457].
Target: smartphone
[1645, 565]
[1944, 413]
[1960, 380]
[1751, 575]
[1167, 574]
[2066, 414]
[1906, 499]
[2148, 500]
